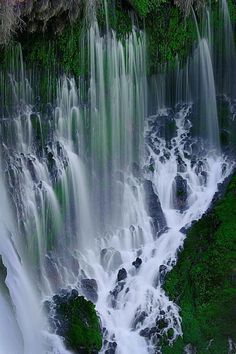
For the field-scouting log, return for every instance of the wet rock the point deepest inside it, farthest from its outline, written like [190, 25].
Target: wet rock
[145, 332]
[148, 332]
[181, 165]
[111, 348]
[122, 274]
[89, 289]
[170, 333]
[204, 176]
[162, 272]
[137, 263]
[193, 160]
[162, 159]
[69, 316]
[161, 323]
[115, 292]
[31, 168]
[154, 207]
[139, 318]
[181, 192]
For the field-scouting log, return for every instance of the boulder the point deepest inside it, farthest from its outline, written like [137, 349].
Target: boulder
[89, 289]
[122, 274]
[137, 263]
[74, 318]
[180, 192]
[154, 208]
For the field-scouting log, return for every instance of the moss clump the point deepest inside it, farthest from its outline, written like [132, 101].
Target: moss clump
[203, 282]
[80, 325]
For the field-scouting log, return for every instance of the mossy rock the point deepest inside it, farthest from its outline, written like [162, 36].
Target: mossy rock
[75, 319]
[203, 282]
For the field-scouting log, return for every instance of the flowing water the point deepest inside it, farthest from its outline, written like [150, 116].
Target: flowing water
[107, 180]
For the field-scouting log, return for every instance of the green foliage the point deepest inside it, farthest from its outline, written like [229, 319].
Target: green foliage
[144, 7]
[203, 282]
[168, 35]
[83, 331]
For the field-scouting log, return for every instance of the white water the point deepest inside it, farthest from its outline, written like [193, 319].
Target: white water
[81, 206]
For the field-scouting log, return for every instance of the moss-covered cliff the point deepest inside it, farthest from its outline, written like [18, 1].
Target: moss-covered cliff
[203, 282]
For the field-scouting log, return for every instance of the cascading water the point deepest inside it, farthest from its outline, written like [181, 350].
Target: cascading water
[108, 192]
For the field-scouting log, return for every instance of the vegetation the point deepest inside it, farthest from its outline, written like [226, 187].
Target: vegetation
[81, 328]
[203, 282]
[48, 41]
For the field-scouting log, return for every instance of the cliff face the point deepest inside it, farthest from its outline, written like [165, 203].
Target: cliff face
[36, 16]
[50, 30]
[169, 31]
[203, 283]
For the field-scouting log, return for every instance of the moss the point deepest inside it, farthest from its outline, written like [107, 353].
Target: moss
[83, 334]
[203, 282]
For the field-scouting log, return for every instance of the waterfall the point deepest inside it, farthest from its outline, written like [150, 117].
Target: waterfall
[103, 184]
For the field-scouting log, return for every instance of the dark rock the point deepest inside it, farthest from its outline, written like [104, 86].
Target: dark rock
[89, 289]
[162, 272]
[145, 332]
[70, 316]
[115, 292]
[148, 332]
[111, 348]
[154, 207]
[161, 323]
[181, 192]
[181, 165]
[137, 263]
[139, 318]
[204, 176]
[122, 274]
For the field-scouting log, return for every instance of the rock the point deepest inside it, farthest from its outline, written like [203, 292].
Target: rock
[139, 318]
[161, 323]
[137, 263]
[154, 207]
[148, 332]
[89, 289]
[162, 272]
[115, 292]
[181, 165]
[122, 274]
[145, 332]
[181, 192]
[204, 176]
[111, 348]
[75, 319]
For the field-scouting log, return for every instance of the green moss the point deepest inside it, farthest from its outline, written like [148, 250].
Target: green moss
[204, 281]
[83, 331]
